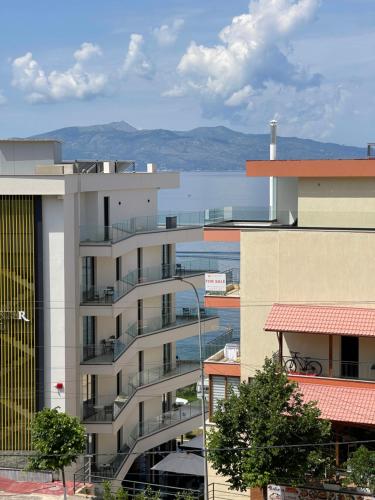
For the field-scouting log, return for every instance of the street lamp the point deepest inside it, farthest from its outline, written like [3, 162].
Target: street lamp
[180, 278]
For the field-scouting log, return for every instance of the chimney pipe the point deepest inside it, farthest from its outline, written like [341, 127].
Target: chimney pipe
[273, 129]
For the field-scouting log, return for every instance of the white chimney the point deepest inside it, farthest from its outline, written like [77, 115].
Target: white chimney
[273, 180]
[273, 128]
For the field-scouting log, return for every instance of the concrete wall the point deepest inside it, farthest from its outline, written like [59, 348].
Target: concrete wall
[334, 202]
[21, 157]
[333, 267]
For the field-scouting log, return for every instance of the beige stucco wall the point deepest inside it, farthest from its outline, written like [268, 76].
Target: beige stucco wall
[291, 266]
[333, 202]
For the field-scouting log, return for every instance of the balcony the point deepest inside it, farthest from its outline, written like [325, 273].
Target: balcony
[149, 434]
[120, 231]
[324, 367]
[104, 414]
[108, 351]
[110, 294]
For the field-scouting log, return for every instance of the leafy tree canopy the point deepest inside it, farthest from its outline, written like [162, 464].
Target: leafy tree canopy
[250, 442]
[361, 468]
[58, 439]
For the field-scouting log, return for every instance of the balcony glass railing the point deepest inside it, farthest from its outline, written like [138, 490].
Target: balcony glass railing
[119, 231]
[109, 412]
[142, 224]
[109, 350]
[112, 293]
[148, 427]
[321, 367]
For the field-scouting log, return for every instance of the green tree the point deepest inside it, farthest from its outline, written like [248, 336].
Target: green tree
[107, 491]
[185, 495]
[121, 494]
[57, 439]
[361, 468]
[250, 442]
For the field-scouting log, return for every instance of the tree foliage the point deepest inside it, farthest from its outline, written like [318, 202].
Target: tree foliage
[57, 439]
[250, 442]
[361, 468]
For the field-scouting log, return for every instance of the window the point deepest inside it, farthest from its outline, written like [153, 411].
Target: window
[219, 389]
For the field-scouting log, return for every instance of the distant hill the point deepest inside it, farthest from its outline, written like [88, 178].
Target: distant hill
[203, 148]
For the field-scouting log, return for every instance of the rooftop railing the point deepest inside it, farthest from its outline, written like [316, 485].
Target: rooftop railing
[110, 294]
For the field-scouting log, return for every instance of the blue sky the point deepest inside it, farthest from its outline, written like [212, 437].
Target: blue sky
[180, 64]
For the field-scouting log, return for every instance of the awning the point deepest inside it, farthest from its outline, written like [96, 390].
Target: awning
[196, 443]
[181, 463]
[353, 405]
[323, 320]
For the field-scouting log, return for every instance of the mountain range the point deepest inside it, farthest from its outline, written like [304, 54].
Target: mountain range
[203, 148]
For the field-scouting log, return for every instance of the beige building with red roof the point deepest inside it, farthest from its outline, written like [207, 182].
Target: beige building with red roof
[308, 286]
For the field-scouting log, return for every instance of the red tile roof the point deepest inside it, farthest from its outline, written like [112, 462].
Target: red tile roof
[355, 405]
[357, 321]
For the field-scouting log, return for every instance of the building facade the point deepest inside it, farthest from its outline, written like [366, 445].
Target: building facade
[307, 292]
[89, 320]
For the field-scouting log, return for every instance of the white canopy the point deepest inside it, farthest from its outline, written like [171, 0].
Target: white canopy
[181, 463]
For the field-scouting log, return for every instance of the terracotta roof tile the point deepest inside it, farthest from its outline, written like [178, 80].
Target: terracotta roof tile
[357, 321]
[342, 404]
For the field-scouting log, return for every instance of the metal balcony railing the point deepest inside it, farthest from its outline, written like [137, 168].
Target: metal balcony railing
[112, 293]
[315, 366]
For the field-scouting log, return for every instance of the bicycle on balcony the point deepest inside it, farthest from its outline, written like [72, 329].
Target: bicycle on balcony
[302, 364]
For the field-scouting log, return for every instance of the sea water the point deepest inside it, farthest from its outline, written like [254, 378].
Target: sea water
[198, 191]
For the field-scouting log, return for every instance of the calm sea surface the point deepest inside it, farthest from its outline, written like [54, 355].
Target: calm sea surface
[200, 190]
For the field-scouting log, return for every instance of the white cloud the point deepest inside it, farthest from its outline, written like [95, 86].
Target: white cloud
[74, 83]
[136, 62]
[167, 34]
[86, 51]
[3, 99]
[251, 74]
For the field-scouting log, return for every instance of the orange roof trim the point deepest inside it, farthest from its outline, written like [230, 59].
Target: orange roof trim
[311, 168]
[326, 320]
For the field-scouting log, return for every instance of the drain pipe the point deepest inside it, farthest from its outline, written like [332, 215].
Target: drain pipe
[273, 180]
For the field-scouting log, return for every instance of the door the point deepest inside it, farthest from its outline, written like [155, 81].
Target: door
[349, 356]
[118, 326]
[106, 217]
[139, 263]
[166, 261]
[140, 367]
[166, 309]
[88, 395]
[167, 357]
[89, 337]
[141, 417]
[88, 278]
[140, 316]
[118, 269]
[90, 458]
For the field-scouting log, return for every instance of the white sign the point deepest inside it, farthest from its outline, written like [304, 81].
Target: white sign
[215, 282]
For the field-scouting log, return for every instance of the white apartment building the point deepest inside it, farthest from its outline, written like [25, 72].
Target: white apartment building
[89, 262]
